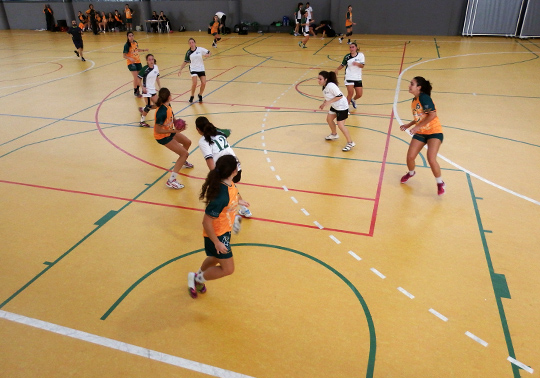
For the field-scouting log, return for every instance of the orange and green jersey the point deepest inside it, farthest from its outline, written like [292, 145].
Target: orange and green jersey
[214, 27]
[132, 51]
[223, 209]
[164, 117]
[128, 13]
[348, 20]
[421, 106]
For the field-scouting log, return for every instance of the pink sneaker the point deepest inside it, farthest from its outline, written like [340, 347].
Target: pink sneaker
[406, 178]
[200, 287]
[441, 188]
[191, 285]
[174, 184]
[144, 124]
[188, 165]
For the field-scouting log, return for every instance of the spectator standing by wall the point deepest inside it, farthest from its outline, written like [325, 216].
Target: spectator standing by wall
[222, 18]
[49, 17]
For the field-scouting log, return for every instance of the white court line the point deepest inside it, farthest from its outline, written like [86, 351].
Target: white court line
[278, 178]
[264, 144]
[335, 239]
[268, 160]
[318, 225]
[272, 168]
[396, 115]
[355, 255]
[294, 200]
[378, 273]
[285, 188]
[520, 364]
[406, 292]
[265, 152]
[438, 314]
[304, 211]
[476, 338]
[123, 347]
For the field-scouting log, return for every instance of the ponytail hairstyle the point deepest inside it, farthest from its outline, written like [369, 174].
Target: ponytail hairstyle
[163, 96]
[206, 128]
[225, 167]
[329, 76]
[152, 55]
[425, 85]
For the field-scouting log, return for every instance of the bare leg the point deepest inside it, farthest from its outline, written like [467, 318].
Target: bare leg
[433, 150]
[330, 120]
[414, 149]
[203, 85]
[225, 268]
[350, 92]
[343, 128]
[359, 91]
[193, 85]
[135, 79]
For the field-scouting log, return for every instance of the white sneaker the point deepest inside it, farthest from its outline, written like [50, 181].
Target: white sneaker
[340, 40]
[349, 146]
[332, 137]
[237, 225]
[174, 184]
[244, 211]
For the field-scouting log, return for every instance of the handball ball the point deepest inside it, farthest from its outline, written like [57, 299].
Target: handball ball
[179, 124]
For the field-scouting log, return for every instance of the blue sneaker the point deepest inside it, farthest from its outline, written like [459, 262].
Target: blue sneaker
[244, 211]
[353, 103]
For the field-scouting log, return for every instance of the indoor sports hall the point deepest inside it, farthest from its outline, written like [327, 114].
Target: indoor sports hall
[341, 272]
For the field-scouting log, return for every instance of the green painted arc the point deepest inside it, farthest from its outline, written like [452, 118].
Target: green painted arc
[371, 326]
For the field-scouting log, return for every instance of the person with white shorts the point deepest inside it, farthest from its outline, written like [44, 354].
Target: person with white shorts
[149, 76]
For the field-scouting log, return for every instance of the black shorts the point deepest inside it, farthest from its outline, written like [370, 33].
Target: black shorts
[135, 67]
[198, 73]
[210, 248]
[425, 137]
[342, 115]
[356, 83]
[165, 140]
[78, 44]
[129, 20]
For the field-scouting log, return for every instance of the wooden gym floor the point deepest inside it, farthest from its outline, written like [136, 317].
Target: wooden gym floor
[342, 271]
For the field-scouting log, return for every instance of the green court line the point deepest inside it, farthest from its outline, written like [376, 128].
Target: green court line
[437, 47]
[369, 319]
[526, 48]
[500, 289]
[52, 264]
[324, 45]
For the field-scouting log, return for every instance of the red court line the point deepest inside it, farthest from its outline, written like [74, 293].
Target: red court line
[173, 206]
[383, 165]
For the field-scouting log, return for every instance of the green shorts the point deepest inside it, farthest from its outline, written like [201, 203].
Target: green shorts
[425, 137]
[210, 248]
[135, 67]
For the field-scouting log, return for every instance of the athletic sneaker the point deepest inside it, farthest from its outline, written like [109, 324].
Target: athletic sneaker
[144, 124]
[188, 165]
[174, 184]
[332, 137]
[200, 98]
[406, 178]
[245, 212]
[353, 103]
[76, 53]
[136, 94]
[214, 44]
[84, 60]
[304, 46]
[300, 43]
[141, 110]
[191, 99]
[200, 287]
[191, 285]
[340, 40]
[441, 188]
[237, 225]
[349, 146]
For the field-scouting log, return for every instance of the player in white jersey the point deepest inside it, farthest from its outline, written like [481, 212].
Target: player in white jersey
[353, 63]
[149, 76]
[339, 109]
[213, 145]
[194, 56]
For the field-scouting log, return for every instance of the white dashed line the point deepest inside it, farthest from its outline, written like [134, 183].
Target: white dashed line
[264, 144]
[355, 255]
[285, 188]
[476, 338]
[278, 178]
[318, 225]
[268, 160]
[438, 314]
[294, 200]
[378, 273]
[520, 364]
[272, 168]
[335, 239]
[304, 211]
[265, 152]
[262, 137]
[406, 292]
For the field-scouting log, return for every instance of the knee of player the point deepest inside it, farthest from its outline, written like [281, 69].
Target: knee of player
[228, 270]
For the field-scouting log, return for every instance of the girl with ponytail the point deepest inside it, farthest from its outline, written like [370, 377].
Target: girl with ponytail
[213, 144]
[222, 198]
[166, 134]
[426, 129]
[339, 108]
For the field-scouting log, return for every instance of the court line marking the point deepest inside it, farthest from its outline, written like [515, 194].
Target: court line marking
[355, 255]
[335, 239]
[438, 314]
[121, 346]
[520, 364]
[400, 122]
[405, 292]
[378, 273]
[476, 338]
